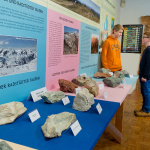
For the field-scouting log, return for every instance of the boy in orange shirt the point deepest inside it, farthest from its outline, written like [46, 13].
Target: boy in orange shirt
[110, 56]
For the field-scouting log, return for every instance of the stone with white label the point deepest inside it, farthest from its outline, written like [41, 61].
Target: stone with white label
[52, 97]
[55, 124]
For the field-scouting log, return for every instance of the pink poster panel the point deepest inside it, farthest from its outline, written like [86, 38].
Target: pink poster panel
[62, 52]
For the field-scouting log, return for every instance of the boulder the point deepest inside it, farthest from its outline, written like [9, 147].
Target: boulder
[55, 124]
[52, 97]
[104, 70]
[10, 111]
[119, 74]
[81, 80]
[83, 100]
[101, 75]
[126, 74]
[4, 146]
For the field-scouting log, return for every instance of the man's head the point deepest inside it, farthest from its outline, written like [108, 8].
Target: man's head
[146, 38]
[117, 30]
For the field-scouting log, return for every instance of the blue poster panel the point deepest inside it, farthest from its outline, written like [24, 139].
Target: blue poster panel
[22, 49]
[89, 49]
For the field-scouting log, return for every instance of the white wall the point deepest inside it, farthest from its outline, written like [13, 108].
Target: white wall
[131, 14]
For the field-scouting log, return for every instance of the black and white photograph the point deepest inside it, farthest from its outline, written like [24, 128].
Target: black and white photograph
[71, 40]
[17, 55]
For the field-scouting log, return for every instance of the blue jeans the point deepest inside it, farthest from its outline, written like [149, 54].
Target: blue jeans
[145, 90]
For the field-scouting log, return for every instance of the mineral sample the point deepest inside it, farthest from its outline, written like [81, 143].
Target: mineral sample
[67, 86]
[92, 87]
[101, 75]
[119, 74]
[52, 97]
[104, 70]
[55, 124]
[10, 111]
[4, 146]
[83, 100]
[126, 74]
[112, 81]
[81, 80]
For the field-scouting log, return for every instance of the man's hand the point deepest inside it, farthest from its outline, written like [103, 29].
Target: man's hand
[143, 79]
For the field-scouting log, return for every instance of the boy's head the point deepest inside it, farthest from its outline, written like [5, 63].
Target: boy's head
[117, 30]
[146, 38]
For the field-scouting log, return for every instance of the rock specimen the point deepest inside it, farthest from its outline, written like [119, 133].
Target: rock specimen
[101, 75]
[104, 70]
[92, 87]
[10, 111]
[83, 100]
[55, 124]
[112, 81]
[81, 80]
[119, 74]
[4, 146]
[52, 97]
[126, 74]
[67, 86]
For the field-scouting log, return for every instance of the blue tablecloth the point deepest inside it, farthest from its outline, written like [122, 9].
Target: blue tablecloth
[23, 132]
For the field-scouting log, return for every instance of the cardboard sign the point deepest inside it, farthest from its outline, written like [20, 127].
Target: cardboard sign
[34, 115]
[77, 89]
[66, 100]
[99, 108]
[101, 86]
[75, 127]
[105, 94]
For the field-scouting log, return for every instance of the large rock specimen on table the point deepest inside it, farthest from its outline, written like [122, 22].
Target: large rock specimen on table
[119, 74]
[101, 75]
[83, 100]
[52, 97]
[55, 124]
[92, 87]
[4, 146]
[104, 70]
[126, 74]
[67, 86]
[10, 111]
[112, 81]
[81, 80]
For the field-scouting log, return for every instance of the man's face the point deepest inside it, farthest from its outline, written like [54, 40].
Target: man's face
[118, 34]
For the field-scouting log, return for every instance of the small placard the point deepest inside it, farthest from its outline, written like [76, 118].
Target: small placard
[111, 73]
[78, 89]
[105, 94]
[75, 127]
[124, 84]
[131, 76]
[36, 95]
[83, 74]
[66, 100]
[101, 86]
[123, 81]
[34, 115]
[99, 108]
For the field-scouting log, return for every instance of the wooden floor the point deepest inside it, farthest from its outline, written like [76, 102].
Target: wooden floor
[136, 130]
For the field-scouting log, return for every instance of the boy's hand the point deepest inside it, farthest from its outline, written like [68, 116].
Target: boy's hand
[143, 79]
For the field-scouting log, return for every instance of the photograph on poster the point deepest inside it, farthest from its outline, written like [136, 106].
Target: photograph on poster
[17, 55]
[94, 44]
[71, 40]
[85, 8]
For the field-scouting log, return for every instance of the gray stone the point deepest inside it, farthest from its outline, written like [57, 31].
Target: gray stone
[55, 124]
[52, 97]
[81, 80]
[119, 74]
[4, 146]
[112, 81]
[83, 100]
[104, 70]
[126, 74]
[10, 111]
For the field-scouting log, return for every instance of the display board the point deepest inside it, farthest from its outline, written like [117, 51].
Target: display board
[132, 39]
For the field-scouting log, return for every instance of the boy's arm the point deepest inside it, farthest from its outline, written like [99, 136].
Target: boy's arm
[104, 55]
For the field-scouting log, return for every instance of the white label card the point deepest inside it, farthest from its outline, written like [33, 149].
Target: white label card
[66, 100]
[75, 127]
[105, 94]
[131, 76]
[83, 74]
[99, 108]
[111, 73]
[78, 89]
[124, 84]
[34, 115]
[101, 86]
[36, 95]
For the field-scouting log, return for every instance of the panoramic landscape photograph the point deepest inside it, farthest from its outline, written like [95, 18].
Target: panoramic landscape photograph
[86, 8]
